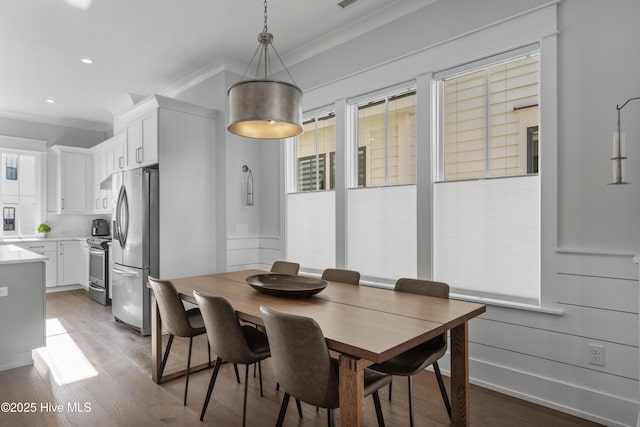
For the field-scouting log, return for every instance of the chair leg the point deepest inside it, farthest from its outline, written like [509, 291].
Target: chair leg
[235, 368]
[277, 386]
[254, 371]
[186, 381]
[260, 371]
[214, 375]
[299, 408]
[390, 387]
[246, 386]
[410, 401]
[166, 355]
[443, 390]
[331, 421]
[376, 403]
[209, 352]
[283, 409]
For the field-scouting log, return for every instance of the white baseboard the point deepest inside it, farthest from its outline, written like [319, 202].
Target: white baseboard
[592, 405]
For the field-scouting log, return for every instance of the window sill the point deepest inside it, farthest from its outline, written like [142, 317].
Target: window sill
[508, 304]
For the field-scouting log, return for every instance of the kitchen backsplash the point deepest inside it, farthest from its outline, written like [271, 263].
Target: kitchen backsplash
[72, 225]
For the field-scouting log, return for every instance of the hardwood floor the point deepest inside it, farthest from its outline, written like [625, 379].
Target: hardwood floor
[107, 367]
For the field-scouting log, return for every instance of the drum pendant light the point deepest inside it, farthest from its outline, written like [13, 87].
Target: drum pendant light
[263, 108]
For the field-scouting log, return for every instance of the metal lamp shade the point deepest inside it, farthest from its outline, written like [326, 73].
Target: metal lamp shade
[265, 109]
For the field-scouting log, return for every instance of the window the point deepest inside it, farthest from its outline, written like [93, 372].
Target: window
[317, 141]
[11, 169]
[9, 219]
[386, 129]
[487, 231]
[20, 193]
[486, 117]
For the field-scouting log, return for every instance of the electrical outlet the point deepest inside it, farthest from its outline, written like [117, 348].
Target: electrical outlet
[596, 354]
[4, 291]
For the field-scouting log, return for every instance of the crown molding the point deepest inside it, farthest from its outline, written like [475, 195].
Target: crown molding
[394, 10]
[67, 122]
[202, 74]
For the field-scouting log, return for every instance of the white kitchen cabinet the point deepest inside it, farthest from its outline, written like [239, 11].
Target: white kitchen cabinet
[48, 249]
[142, 141]
[69, 183]
[120, 152]
[108, 157]
[68, 269]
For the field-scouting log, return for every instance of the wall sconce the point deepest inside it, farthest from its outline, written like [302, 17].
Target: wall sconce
[619, 152]
[246, 170]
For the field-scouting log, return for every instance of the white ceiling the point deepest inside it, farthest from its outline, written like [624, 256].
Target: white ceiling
[145, 46]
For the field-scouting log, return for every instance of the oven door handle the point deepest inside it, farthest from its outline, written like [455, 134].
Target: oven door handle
[125, 273]
[96, 252]
[96, 288]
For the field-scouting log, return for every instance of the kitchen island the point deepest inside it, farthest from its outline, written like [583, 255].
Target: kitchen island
[22, 305]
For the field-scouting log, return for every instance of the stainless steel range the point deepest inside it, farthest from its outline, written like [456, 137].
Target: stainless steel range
[99, 269]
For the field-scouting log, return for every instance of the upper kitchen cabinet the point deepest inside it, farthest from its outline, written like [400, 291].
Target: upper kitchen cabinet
[146, 127]
[69, 178]
[142, 140]
[108, 157]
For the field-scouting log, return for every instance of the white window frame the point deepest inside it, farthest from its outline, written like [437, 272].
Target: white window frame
[353, 105]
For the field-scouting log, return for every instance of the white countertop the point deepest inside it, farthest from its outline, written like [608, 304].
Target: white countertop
[11, 254]
[10, 240]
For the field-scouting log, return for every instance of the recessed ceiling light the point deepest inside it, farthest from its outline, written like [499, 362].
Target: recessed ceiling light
[51, 101]
[87, 60]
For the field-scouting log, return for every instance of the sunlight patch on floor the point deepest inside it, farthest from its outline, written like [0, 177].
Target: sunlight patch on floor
[64, 358]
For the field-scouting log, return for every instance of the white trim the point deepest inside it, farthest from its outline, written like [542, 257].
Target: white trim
[202, 74]
[480, 368]
[508, 304]
[64, 122]
[490, 61]
[23, 144]
[380, 94]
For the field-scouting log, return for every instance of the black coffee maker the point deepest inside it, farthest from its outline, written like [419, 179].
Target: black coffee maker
[99, 227]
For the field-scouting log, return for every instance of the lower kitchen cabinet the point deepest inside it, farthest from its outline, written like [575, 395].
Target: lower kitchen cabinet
[68, 266]
[67, 263]
[50, 250]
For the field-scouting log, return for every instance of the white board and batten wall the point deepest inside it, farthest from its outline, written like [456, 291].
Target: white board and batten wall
[589, 284]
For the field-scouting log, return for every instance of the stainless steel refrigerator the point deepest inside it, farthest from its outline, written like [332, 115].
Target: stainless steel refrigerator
[135, 248]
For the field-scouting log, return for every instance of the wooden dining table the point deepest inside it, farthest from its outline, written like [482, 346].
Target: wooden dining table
[365, 325]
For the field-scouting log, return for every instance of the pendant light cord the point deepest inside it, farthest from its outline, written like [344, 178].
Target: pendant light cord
[265, 30]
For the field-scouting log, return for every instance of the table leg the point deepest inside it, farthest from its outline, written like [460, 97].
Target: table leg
[156, 341]
[351, 391]
[460, 375]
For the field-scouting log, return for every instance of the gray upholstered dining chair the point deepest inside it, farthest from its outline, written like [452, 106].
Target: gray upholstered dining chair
[177, 321]
[285, 267]
[344, 276]
[231, 341]
[418, 358]
[304, 368]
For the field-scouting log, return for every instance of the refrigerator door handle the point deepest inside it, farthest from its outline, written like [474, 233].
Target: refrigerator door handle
[122, 217]
[125, 273]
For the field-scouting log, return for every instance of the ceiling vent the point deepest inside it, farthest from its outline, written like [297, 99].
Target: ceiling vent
[345, 3]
